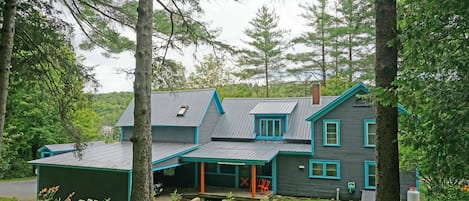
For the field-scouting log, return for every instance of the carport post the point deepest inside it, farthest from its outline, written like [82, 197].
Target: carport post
[202, 177]
[253, 181]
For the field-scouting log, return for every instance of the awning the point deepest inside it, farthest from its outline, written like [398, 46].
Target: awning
[254, 153]
[279, 107]
[116, 156]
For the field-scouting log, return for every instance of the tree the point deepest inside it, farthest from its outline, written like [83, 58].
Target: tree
[321, 23]
[387, 155]
[209, 73]
[433, 83]
[266, 40]
[6, 48]
[141, 138]
[168, 75]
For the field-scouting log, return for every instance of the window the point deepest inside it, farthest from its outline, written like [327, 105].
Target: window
[331, 132]
[369, 128]
[370, 174]
[324, 169]
[182, 111]
[270, 128]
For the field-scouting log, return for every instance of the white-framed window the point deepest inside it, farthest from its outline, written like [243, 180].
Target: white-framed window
[270, 128]
[331, 132]
[369, 129]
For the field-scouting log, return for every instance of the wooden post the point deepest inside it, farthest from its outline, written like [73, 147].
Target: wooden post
[253, 181]
[202, 177]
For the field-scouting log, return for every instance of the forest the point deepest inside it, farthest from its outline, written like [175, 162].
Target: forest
[45, 81]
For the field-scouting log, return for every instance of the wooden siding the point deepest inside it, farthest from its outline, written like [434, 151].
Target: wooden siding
[209, 123]
[171, 134]
[93, 184]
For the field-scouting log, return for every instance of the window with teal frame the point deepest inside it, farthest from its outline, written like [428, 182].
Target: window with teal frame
[331, 132]
[324, 169]
[270, 128]
[370, 174]
[369, 132]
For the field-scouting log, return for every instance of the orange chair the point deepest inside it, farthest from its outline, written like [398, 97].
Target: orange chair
[264, 186]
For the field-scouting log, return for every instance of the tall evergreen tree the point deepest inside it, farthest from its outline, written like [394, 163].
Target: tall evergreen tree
[318, 39]
[265, 58]
[387, 154]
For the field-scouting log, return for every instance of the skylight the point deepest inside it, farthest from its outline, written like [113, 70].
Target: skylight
[182, 111]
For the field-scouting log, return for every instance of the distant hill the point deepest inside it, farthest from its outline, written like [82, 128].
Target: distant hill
[110, 106]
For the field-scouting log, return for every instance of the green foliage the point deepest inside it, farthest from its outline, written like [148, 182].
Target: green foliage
[209, 73]
[174, 195]
[8, 199]
[433, 83]
[265, 57]
[170, 75]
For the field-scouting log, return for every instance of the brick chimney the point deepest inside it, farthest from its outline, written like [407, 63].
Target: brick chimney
[316, 93]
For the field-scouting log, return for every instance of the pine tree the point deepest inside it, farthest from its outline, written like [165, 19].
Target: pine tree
[265, 58]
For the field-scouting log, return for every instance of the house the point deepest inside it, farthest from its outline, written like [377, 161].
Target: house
[317, 146]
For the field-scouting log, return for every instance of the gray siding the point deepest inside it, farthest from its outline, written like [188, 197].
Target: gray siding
[93, 184]
[293, 181]
[171, 134]
[209, 123]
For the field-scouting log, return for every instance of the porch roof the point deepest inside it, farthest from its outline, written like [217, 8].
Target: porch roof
[257, 153]
[114, 157]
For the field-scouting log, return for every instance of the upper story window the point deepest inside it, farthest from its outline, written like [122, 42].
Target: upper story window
[324, 169]
[331, 132]
[369, 129]
[370, 174]
[270, 128]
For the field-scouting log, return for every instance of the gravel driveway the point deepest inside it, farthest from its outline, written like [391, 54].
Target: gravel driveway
[23, 190]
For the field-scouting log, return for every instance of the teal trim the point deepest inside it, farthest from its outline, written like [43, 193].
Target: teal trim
[237, 176]
[366, 122]
[297, 153]
[368, 165]
[312, 138]
[121, 134]
[269, 138]
[274, 175]
[130, 186]
[216, 160]
[324, 164]
[336, 102]
[43, 149]
[401, 109]
[166, 167]
[196, 137]
[174, 155]
[38, 183]
[264, 177]
[81, 167]
[324, 131]
[417, 178]
[216, 97]
[221, 174]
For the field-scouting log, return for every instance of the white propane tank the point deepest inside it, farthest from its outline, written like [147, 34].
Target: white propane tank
[413, 194]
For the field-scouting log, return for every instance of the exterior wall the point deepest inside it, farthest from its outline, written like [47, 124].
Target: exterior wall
[94, 184]
[165, 134]
[208, 124]
[293, 181]
[184, 176]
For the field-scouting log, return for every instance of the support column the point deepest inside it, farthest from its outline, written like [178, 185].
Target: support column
[253, 181]
[202, 177]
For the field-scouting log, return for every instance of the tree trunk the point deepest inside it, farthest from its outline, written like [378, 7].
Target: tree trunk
[323, 53]
[6, 49]
[142, 181]
[266, 66]
[387, 180]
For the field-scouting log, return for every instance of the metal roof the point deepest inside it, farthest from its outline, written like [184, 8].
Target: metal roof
[117, 156]
[237, 123]
[64, 147]
[273, 108]
[165, 106]
[246, 152]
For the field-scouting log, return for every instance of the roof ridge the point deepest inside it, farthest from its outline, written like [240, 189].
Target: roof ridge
[182, 91]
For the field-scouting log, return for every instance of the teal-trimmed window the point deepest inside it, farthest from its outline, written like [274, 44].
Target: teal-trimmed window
[270, 128]
[370, 175]
[324, 169]
[331, 132]
[369, 132]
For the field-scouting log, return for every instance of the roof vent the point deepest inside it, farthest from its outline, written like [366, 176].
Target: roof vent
[182, 111]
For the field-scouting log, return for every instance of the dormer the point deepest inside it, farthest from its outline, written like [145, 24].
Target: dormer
[271, 119]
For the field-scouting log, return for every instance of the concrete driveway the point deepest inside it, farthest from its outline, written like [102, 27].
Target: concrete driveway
[23, 190]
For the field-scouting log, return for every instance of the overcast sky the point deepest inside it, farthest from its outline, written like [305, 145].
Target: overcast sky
[232, 17]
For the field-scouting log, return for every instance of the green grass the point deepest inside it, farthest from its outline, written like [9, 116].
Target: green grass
[282, 198]
[17, 179]
[8, 199]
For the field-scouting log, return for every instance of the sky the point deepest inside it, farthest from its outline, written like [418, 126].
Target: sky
[229, 15]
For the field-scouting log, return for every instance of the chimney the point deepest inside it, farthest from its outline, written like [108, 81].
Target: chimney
[316, 93]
